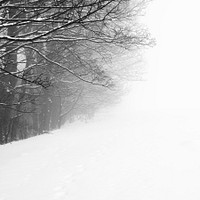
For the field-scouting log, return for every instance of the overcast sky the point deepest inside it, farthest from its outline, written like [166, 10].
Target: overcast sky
[174, 64]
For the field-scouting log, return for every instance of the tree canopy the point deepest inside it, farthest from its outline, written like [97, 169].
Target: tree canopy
[55, 58]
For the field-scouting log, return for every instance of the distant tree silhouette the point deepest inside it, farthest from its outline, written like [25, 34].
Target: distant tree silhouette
[52, 52]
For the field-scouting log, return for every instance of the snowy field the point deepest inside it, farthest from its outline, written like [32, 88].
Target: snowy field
[146, 156]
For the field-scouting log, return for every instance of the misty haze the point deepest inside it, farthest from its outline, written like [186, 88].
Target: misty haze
[92, 107]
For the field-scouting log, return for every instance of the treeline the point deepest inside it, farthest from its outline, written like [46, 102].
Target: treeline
[55, 60]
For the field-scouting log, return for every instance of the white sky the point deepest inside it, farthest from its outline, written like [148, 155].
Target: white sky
[173, 65]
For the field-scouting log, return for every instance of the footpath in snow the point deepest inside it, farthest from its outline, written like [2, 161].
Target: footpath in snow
[146, 156]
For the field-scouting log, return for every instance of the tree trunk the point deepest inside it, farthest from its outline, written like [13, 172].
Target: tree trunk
[8, 82]
[55, 112]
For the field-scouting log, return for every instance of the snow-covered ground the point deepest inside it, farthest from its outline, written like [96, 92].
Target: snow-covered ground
[145, 156]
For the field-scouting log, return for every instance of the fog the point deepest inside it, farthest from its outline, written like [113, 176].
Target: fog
[172, 80]
[155, 131]
[147, 147]
[174, 63]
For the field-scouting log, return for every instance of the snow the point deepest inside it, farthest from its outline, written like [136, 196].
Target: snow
[148, 155]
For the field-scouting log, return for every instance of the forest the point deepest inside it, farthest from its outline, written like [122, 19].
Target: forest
[56, 60]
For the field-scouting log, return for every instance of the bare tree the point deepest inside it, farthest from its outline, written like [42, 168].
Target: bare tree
[49, 48]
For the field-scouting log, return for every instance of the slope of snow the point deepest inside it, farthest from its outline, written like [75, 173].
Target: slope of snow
[146, 156]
